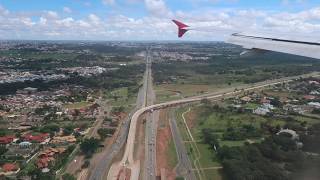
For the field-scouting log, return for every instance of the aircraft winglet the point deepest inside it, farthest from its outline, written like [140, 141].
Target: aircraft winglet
[182, 28]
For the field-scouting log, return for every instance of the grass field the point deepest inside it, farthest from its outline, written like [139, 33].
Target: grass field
[201, 156]
[169, 92]
[172, 155]
[119, 97]
[77, 105]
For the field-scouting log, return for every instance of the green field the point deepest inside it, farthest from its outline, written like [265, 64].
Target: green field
[172, 155]
[77, 105]
[169, 92]
[119, 97]
[201, 156]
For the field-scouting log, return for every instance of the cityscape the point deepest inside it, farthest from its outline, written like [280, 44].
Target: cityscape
[140, 95]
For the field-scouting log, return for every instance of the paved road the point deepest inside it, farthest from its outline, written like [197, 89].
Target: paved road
[101, 170]
[184, 167]
[75, 164]
[151, 128]
[128, 160]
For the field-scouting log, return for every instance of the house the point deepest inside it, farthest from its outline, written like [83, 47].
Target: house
[7, 139]
[63, 139]
[268, 106]
[293, 133]
[314, 82]
[261, 111]
[265, 100]
[315, 93]
[309, 97]
[47, 156]
[246, 99]
[25, 144]
[9, 167]
[314, 104]
[39, 138]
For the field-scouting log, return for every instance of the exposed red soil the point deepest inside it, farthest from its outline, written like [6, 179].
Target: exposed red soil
[191, 117]
[163, 135]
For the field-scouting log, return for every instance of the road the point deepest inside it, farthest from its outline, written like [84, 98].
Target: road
[151, 127]
[128, 160]
[76, 162]
[101, 170]
[184, 168]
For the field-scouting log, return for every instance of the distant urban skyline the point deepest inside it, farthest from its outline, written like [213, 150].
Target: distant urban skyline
[151, 19]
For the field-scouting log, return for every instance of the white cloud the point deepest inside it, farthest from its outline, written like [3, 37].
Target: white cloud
[52, 14]
[290, 2]
[108, 2]
[94, 19]
[156, 25]
[67, 10]
[157, 8]
[3, 11]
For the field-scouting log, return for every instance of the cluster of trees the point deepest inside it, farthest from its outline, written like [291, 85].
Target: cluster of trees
[105, 132]
[118, 109]
[241, 133]
[247, 162]
[243, 69]
[89, 146]
[276, 157]
[209, 137]
[311, 141]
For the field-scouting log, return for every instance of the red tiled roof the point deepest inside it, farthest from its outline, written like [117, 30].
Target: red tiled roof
[6, 139]
[9, 167]
[37, 138]
[309, 97]
[43, 162]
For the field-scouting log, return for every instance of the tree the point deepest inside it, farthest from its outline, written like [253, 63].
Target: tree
[68, 176]
[85, 164]
[104, 132]
[3, 150]
[210, 138]
[89, 146]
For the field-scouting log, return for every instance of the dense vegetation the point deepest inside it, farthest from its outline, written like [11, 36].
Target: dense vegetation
[275, 157]
[128, 76]
[222, 69]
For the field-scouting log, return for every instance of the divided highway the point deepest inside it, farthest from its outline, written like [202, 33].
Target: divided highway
[151, 127]
[134, 166]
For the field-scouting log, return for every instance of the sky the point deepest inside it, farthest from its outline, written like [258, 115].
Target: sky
[151, 19]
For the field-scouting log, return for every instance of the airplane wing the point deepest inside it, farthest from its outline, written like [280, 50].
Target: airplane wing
[301, 46]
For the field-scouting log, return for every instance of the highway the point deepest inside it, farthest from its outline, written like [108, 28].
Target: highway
[101, 170]
[128, 160]
[151, 127]
[184, 168]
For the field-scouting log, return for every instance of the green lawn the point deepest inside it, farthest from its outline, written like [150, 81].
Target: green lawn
[221, 121]
[172, 155]
[77, 105]
[312, 119]
[119, 97]
[206, 159]
[214, 174]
